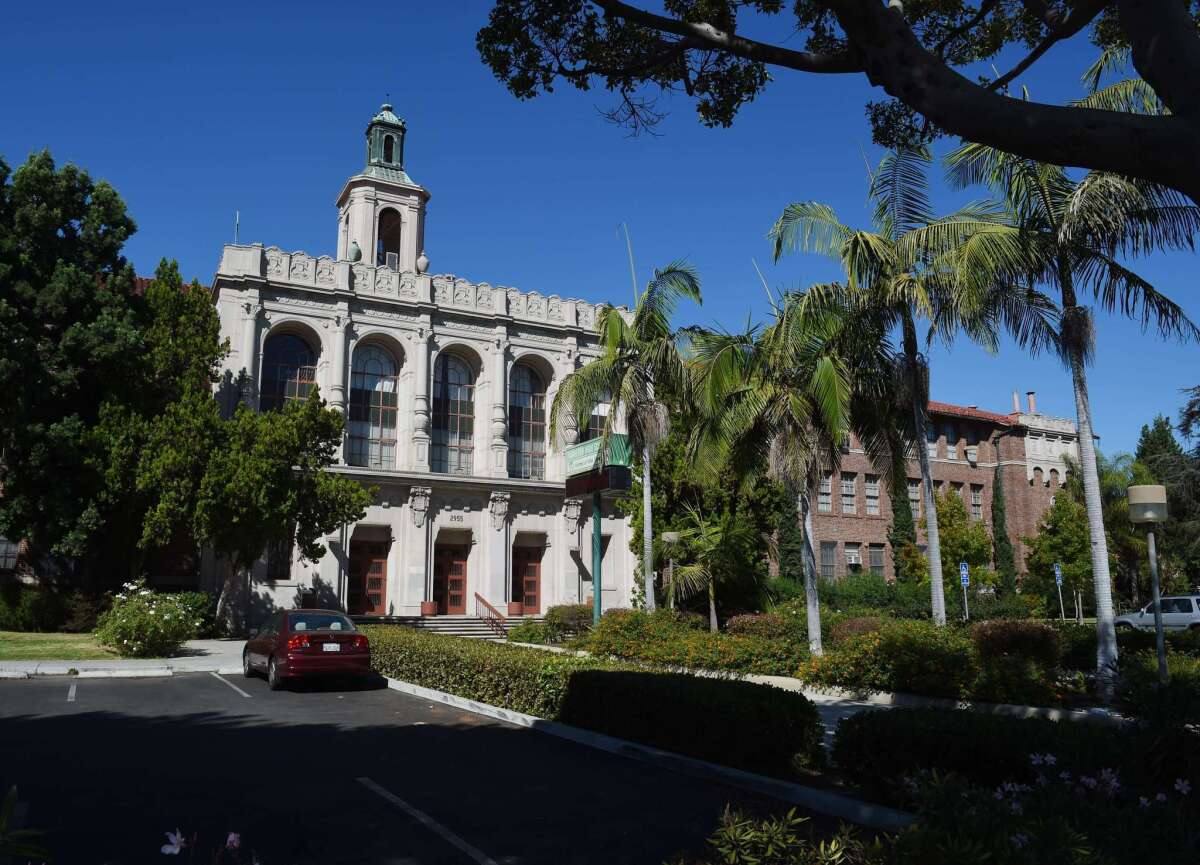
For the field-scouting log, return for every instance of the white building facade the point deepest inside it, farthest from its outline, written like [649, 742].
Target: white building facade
[446, 387]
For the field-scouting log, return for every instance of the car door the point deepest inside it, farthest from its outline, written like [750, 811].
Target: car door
[260, 646]
[1177, 613]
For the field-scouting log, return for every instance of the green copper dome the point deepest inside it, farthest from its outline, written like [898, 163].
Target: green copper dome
[386, 115]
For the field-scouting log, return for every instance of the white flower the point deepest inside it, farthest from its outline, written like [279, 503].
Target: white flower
[1050, 759]
[234, 841]
[1183, 786]
[144, 593]
[1089, 782]
[1019, 840]
[1036, 759]
[174, 844]
[1143, 802]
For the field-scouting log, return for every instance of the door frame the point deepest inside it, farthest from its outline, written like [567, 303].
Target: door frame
[380, 551]
[442, 598]
[527, 554]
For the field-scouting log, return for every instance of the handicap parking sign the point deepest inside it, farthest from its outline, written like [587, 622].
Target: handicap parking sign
[964, 574]
[1058, 573]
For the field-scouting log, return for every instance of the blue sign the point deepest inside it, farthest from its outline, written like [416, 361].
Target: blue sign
[1058, 573]
[964, 574]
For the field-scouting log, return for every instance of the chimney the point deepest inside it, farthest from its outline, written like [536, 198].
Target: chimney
[1032, 397]
[1016, 403]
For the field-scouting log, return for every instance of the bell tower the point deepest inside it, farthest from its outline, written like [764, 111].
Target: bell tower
[381, 210]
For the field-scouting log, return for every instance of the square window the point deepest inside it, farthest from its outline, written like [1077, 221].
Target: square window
[828, 559]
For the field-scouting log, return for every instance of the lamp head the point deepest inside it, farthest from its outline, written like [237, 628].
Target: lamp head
[1148, 503]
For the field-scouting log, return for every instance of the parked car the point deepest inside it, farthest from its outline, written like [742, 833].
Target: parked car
[301, 643]
[1179, 612]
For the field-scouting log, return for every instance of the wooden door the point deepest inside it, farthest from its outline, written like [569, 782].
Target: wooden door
[527, 579]
[367, 589]
[450, 580]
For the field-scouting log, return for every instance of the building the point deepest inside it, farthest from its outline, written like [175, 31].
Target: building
[446, 386]
[853, 509]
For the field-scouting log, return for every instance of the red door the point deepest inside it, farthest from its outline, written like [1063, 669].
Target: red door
[367, 590]
[450, 580]
[527, 579]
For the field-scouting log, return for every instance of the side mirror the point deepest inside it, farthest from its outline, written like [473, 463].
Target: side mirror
[253, 632]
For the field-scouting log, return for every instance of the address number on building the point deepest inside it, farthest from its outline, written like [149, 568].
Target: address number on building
[458, 518]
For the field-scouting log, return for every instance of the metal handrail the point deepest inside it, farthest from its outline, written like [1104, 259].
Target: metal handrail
[490, 615]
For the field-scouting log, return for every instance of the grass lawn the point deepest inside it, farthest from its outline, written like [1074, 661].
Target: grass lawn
[17, 646]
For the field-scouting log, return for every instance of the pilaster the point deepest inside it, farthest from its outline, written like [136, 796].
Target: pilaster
[421, 434]
[497, 531]
[499, 388]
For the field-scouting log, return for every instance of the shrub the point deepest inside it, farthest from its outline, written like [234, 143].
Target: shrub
[145, 624]
[857, 591]
[736, 723]
[566, 619]
[989, 605]
[202, 607]
[1177, 702]
[530, 631]
[770, 626]
[1017, 661]
[853, 627]
[83, 610]
[783, 840]
[908, 656]
[30, 608]
[659, 638]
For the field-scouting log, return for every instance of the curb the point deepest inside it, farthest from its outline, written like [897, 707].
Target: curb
[13, 674]
[137, 673]
[820, 801]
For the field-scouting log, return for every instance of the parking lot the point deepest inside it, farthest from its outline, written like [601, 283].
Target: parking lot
[327, 774]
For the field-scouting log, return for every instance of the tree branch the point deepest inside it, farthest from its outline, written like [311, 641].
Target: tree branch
[984, 8]
[1079, 18]
[1166, 52]
[706, 36]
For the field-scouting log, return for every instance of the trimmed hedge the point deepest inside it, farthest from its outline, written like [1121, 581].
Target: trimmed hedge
[770, 626]
[665, 639]
[854, 626]
[565, 619]
[1018, 661]
[735, 723]
[881, 748]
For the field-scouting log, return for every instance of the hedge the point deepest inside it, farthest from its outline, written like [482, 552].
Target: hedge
[666, 639]
[740, 724]
[880, 748]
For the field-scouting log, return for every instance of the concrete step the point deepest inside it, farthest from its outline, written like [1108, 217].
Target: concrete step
[455, 626]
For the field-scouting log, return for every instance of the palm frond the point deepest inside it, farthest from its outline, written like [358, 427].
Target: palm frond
[900, 191]
[809, 226]
[1119, 289]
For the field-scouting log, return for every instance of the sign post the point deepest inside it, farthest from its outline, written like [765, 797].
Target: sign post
[964, 575]
[1062, 611]
[590, 471]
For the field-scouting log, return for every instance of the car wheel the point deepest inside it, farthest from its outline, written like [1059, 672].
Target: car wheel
[274, 680]
[247, 667]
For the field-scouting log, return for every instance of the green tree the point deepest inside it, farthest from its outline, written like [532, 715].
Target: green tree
[1063, 538]
[790, 533]
[1069, 235]
[1002, 549]
[715, 545]
[965, 539]
[1157, 442]
[902, 535]
[931, 58]
[640, 371]
[898, 270]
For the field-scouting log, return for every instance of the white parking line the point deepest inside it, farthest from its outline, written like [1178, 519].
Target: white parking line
[71, 694]
[221, 678]
[429, 823]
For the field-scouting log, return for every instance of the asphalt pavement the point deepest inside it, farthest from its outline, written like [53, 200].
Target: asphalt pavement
[327, 774]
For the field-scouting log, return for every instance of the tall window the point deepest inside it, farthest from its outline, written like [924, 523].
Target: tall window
[849, 505]
[526, 424]
[289, 370]
[951, 441]
[914, 498]
[453, 416]
[875, 559]
[389, 148]
[825, 493]
[976, 502]
[387, 241]
[828, 559]
[595, 423]
[8, 554]
[957, 489]
[373, 406]
[279, 558]
[871, 486]
[931, 438]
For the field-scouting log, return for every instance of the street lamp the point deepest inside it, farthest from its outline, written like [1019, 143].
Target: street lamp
[1148, 504]
[670, 539]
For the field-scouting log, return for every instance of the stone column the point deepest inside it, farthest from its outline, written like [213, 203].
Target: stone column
[420, 433]
[337, 371]
[251, 308]
[416, 551]
[499, 440]
[497, 547]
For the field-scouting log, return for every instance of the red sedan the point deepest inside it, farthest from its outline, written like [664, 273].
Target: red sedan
[299, 643]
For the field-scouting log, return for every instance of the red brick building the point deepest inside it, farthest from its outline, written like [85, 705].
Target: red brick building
[852, 511]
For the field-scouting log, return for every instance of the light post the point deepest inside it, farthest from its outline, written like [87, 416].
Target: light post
[1148, 505]
[670, 539]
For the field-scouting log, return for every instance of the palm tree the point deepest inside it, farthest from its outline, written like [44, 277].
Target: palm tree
[898, 271]
[717, 548]
[780, 401]
[1070, 235]
[640, 371]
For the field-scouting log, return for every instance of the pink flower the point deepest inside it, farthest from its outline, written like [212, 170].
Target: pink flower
[174, 844]
[233, 842]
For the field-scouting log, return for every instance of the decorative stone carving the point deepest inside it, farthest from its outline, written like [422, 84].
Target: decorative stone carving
[441, 290]
[516, 302]
[586, 313]
[498, 505]
[483, 297]
[274, 262]
[572, 508]
[463, 295]
[554, 310]
[362, 276]
[418, 503]
[385, 281]
[408, 285]
[326, 274]
[535, 305]
[301, 269]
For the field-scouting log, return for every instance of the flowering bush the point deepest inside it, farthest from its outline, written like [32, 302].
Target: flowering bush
[769, 625]
[145, 624]
[854, 626]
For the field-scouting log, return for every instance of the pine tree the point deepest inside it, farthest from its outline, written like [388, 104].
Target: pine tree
[1002, 550]
[1157, 442]
[791, 542]
[903, 533]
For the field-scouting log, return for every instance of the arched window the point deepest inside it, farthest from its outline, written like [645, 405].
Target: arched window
[453, 416]
[373, 406]
[389, 148]
[388, 239]
[526, 424]
[289, 370]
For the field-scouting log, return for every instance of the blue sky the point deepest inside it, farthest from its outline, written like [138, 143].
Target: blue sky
[195, 111]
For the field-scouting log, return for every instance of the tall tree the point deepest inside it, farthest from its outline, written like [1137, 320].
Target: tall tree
[965, 539]
[927, 57]
[1157, 442]
[1002, 549]
[640, 370]
[1062, 539]
[898, 271]
[1070, 235]
[902, 535]
[1165, 462]
[714, 544]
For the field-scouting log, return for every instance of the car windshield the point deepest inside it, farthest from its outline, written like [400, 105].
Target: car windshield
[319, 622]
